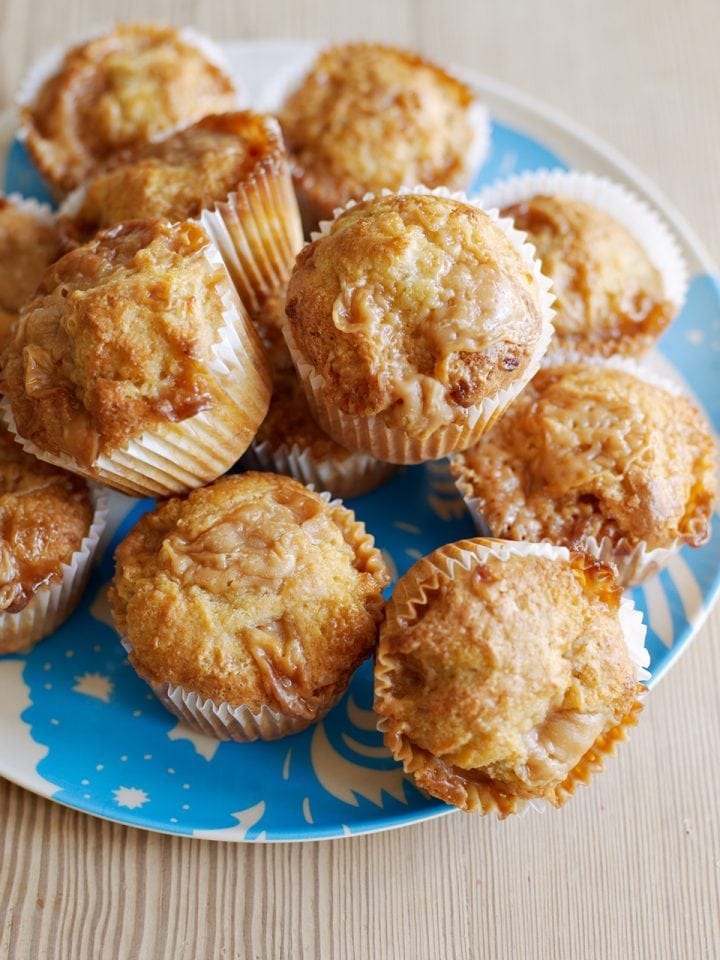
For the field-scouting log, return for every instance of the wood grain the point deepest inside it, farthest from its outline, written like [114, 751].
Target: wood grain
[630, 868]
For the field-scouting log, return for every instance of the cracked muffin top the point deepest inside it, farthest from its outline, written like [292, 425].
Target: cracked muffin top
[593, 451]
[251, 591]
[116, 90]
[415, 307]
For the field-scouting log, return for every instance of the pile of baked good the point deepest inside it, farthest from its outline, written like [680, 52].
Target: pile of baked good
[168, 320]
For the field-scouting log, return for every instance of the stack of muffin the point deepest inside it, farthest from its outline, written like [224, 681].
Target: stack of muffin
[168, 320]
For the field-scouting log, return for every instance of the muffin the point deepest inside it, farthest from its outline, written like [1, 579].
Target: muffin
[617, 272]
[507, 673]
[369, 117]
[115, 90]
[136, 364]
[231, 170]
[29, 242]
[413, 320]
[248, 605]
[290, 441]
[49, 528]
[601, 457]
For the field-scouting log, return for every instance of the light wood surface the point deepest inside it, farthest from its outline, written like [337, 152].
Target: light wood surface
[630, 868]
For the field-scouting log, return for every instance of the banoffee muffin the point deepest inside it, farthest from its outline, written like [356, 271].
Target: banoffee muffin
[248, 605]
[230, 169]
[507, 672]
[29, 242]
[115, 90]
[136, 364]
[413, 321]
[46, 545]
[596, 457]
[369, 117]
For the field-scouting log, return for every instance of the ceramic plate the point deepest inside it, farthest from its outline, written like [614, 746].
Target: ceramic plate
[79, 727]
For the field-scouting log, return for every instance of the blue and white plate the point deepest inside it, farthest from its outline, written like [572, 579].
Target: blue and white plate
[78, 726]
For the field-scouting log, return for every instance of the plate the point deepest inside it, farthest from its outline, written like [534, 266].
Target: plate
[80, 728]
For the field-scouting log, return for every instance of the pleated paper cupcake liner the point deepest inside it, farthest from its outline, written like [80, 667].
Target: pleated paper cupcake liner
[351, 476]
[372, 434]
[635, 562]
[464, 789]
[53, 603]
[175, 457]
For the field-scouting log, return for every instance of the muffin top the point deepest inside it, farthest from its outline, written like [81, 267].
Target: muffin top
[115, 90]
[252, 591]
[117, 339]
[368, 116]
[610, 298]
[594, 451]
[178, 177]
[44, 515]
[502, 672]
[415, 307]
[28, 244]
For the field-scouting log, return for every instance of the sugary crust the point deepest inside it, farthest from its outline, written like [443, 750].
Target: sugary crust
[116, 340]
[178, 177]
[368, 117]
[592, 451]
[44, 515]
[251, 591]
[122, 88]
[28, 244]
[414, 307]
[497, 680]
[610, 298]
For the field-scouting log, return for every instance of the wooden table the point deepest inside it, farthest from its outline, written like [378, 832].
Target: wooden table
[630, 868]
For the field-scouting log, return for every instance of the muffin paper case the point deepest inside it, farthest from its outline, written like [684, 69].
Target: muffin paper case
[612, 198]
[176, 457]
[258, 229]
[371, 434]
[352, 476]
[410, 596]
[53, 603]
[635, 563]
[40, 211]
[239, 723]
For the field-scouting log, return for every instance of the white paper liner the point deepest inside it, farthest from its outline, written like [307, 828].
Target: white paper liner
[53, 603]
[639, 219]
[465, 554]
[635, 563]
[354, 475]
[34, 208]
[371, 434]
[176, 457]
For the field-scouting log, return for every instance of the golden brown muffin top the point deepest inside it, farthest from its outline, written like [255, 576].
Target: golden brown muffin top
[28, 244]
[610, 298]
[117, 339]
[506, 672]
[44, 515]
[415, 307]
[592, 451]
[368, 116]
[178, 177]
[251, 591]
[122, 88]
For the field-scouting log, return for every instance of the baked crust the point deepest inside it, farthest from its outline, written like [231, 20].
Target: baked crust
[609, 297]
[178, 177]
[495, 679]
[593, 451]
[28, 244]
[414, 307]
[44, 515]
[251, 591]
[116, 340]
[368, 117]
[121, 88]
